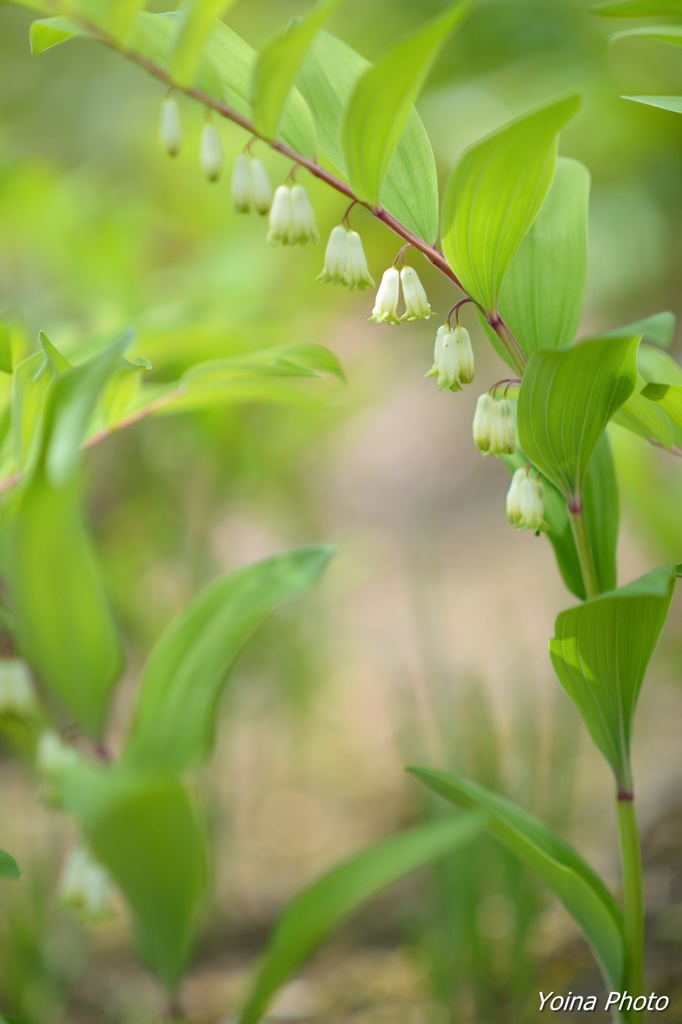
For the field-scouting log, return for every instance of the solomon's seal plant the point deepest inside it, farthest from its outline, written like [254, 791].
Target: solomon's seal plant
[512, 212]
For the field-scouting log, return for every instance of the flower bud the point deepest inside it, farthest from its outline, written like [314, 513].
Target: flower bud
[170, 129]
[357, 271]
[335, 258]
[525, 504]
[279, 225]
[416, 304]
[240, 185]
[261, 188]
[465, 354]
[303, 228]
[483, 419]
[445, 360]
[386, 303]
[17, 694]
[493, 428]
[85, 888]
[211, 152]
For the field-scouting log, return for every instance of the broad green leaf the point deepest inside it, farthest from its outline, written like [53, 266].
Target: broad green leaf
[122, 390]
[6, 364]
[174, 721]
[30, 382]
[8, 866]
[191, 35]
[669, 398]
[120, 17]
[659, 327]
[146, 833]
[562, 869]
[49, 32]
[600, 654]
[643, 418]
[673, 103]
[278, 64]
[320, 908]
[494, 195]
[638, 8]
[566, 399]
[327, 80]
[542, 295]
[382, 99]
[671, 34]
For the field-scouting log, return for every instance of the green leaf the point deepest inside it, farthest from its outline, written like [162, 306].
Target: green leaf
[673, 103]
[8, 866]
[669, 398]
[660, 327]
[30, 382]
[580, 890]
[190, 37]
[174, 721]
[600, 654]
[638, 8]
[6, 364]
[320, 908]
[147, 834]
[671, 34]
[121, 16]
[278, 64]
[328, 79]
[542, 295]
[649, 420]
[494, 195]
[566, 399]
[382, 99]
[50, 32]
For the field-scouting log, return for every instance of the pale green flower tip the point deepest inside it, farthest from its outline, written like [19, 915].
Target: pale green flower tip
[433, 372]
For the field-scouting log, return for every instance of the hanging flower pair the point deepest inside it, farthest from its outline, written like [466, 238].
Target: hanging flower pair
[388, 296]
[344, 261]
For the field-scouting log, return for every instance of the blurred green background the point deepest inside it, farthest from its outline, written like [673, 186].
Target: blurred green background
[428, 639]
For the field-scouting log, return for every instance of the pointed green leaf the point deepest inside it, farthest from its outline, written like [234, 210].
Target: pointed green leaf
[190, 37]
[49, 32]
[562, 869]
[566, 399]
[6, 364]
[494, 195]
[673, 103]
[671, 34]
[542, 295]
[600, 654]
[638, 8]
[278, 64]
[648, 419]
[668, 397]
[174, 721]
[8, 866]
[147, 835]
[660, 327]
[382, 100]
[328, 79]
[316, 911]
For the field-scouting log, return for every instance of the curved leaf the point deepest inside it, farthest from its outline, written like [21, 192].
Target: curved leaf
[494, 195]
[383, 98]
[638, 8]
[671, 34]
[565, 872]
[327, 80]
[566, 399]
[279, 63]
[542, 294]
[174, 720]
[320, 908]
[600, 654]
[190, 37]
[668, 397]
[673, 103]
[8, 866]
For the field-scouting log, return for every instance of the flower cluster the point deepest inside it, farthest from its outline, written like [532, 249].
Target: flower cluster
[344, 261]
[85, 888]
[453, 358]
[388, 296]
[17, 694]
[525, 502]
[292, 221]
[494, 429]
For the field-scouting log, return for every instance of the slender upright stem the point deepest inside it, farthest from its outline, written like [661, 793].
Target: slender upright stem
[585, 556]
[633, 898]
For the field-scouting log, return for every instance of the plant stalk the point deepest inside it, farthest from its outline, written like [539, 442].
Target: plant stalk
[585, 556]
[633, 899]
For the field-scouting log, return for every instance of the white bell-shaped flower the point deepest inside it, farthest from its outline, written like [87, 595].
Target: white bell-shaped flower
[416, 303]
[85, 888]
[483, 422]
[53, 757]
[17, 694]
[503, 432]
[335, 257]
[261, 187]
[211, 152]
[465, 354]
[445, 360]
[240, 185]
[525, 504]
[170, 128]
[303, 228]
[357, 271]
[386, 303]
[280, 223]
